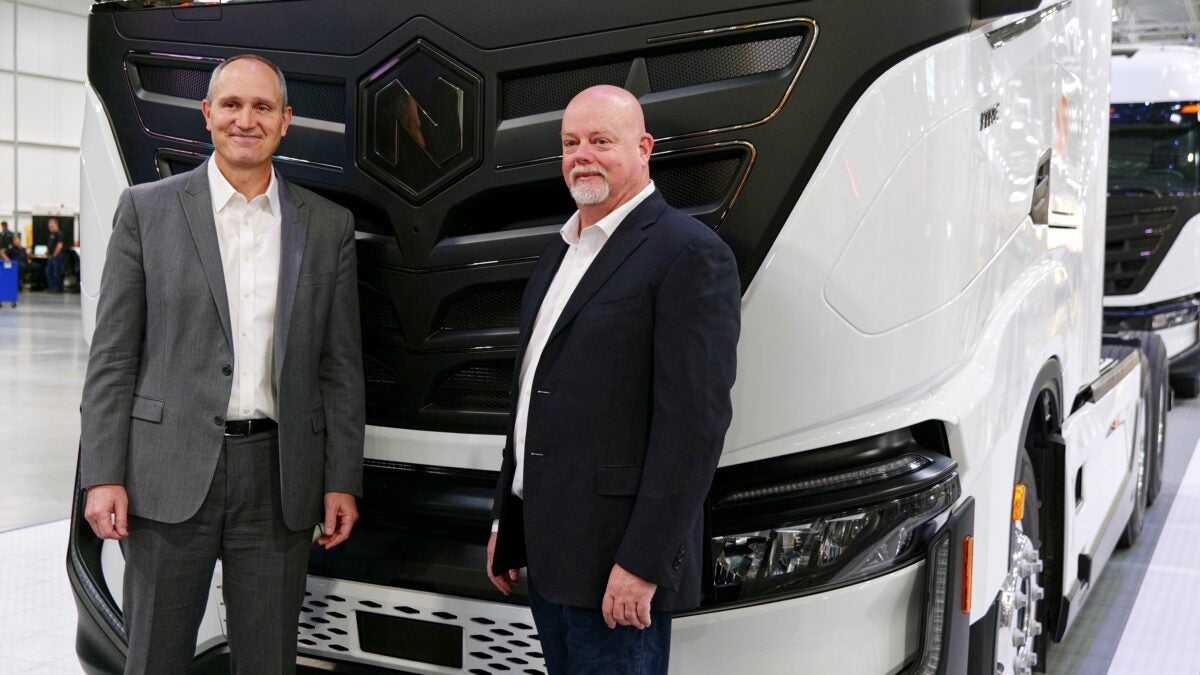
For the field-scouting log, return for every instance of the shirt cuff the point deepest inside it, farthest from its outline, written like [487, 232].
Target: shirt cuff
[495, 526]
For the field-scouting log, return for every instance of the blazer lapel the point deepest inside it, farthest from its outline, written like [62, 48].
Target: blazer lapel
[624, 241]
[197, 208]
[293, 235]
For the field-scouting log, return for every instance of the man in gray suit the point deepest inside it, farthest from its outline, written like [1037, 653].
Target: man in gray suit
[223, 408]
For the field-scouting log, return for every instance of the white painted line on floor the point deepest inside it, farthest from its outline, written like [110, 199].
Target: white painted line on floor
[1161, 634]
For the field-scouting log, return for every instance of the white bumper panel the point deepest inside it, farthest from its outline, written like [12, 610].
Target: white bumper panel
[1178, 338]
[870, 628]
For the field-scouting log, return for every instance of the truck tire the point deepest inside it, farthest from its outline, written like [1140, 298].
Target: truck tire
[1186, 386]
[1160, 403]
[1018, 624]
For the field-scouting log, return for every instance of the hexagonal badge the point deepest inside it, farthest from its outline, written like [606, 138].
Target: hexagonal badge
[419, 116]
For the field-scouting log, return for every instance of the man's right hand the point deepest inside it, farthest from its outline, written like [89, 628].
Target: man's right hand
[107, 511]
[505, 581]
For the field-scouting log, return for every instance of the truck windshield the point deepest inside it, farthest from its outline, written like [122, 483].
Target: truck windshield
[1153, 149]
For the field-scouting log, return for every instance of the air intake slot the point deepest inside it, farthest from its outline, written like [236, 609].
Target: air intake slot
[484, 307]
[686, 65]
[477, 386]
[1138, 236]
[187, 81]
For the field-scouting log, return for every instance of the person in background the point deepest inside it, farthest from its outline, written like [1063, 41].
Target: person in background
[55, 250]
[6, 235]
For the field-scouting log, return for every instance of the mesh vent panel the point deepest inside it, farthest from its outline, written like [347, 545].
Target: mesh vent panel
[476, 387]
[182, 82]
[685, 69]
[686, 186]
[492, 307]
[553, 91]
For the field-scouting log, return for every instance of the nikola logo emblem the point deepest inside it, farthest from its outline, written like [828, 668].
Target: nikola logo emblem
[439, 135]
[419, 113]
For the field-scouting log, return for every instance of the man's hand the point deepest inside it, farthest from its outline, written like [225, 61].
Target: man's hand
[627, 599]
[341, 512]
[505, 581]
[107, 511]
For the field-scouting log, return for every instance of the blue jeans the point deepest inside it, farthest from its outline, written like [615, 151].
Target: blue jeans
[576, 641]
[54, 269]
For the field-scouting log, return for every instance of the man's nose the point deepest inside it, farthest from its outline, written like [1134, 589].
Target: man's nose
[245, 118]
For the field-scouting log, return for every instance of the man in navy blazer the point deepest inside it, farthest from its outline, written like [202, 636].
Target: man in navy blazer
[629, 329]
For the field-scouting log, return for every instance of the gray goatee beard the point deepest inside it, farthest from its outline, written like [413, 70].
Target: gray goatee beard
[586, 194]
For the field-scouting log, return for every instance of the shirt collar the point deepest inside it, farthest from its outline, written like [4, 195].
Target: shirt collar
[608, 224]
[222, 191]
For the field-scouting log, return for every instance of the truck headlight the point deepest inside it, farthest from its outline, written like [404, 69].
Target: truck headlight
[848, 524]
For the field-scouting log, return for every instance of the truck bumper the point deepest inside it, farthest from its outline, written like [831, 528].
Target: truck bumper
[911, 620]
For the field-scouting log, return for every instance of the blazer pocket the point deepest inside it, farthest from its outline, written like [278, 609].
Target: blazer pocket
[147, 409]
[316, 279]
[318, 419]
[619, 480]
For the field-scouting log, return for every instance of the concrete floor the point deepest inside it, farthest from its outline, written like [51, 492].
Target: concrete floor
[1141, 619]
[44, 359]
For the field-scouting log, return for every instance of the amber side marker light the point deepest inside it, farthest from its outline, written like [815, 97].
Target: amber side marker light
[1018, 502]
[968, 559]
[1191, 108]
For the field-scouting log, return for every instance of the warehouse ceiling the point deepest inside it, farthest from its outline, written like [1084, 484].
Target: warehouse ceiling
[1156, 20]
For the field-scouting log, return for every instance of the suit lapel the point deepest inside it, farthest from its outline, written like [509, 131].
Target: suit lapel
[197, 208]
[624, 241]
[293, 235]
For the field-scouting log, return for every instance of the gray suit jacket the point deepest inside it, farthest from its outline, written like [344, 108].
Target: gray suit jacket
[158, 379]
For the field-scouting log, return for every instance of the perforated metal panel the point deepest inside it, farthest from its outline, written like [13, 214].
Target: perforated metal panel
[476, 387]
[187, 83]
[705, 183]
[553, 91]
[700, 66]
[497, 638]
[488, 307]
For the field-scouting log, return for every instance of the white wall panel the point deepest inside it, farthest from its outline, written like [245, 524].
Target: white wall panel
[6, 35]
[47, 176]
[79, 7]
[51, 111]
[6, 106]
[6, 181]
[51, 43]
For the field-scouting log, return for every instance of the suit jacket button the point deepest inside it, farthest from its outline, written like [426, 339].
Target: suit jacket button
[226, 371]
[676, 565]
[218, 421]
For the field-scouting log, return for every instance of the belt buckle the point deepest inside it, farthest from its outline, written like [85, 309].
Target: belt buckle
[239, 428]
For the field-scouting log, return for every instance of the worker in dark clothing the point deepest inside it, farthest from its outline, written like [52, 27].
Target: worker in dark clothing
[55, 249]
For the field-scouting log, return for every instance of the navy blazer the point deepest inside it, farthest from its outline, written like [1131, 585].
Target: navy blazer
[628, 413]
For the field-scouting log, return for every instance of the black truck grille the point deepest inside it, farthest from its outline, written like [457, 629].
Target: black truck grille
[1140, 231]
[453, 207]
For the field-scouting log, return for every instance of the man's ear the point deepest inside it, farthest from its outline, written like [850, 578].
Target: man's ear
[287, 121]
[646, 146]
[206, 109]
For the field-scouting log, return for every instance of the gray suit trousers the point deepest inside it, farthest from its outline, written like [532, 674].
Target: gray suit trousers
[169, 566]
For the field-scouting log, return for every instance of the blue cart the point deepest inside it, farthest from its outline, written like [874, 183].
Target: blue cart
[10, 273]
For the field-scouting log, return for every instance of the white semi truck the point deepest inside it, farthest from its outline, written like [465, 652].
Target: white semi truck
[1152, 264]
[932, 454]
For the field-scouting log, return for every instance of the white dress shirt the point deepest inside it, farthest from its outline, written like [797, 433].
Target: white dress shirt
[248, 233]
[582, 249]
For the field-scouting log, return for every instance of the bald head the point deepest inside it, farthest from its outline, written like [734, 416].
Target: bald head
[606, 150]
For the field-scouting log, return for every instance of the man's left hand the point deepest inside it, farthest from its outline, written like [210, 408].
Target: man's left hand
[627, 599]
[341, 512]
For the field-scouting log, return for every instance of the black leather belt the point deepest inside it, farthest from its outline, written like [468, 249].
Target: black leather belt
[249, 427]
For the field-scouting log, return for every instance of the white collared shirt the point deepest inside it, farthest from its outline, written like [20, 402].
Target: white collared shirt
[582, 249]
[248, 234]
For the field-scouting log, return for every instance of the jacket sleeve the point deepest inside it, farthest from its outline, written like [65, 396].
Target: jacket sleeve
[696, 327]
[115, 354]
[343, 391]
